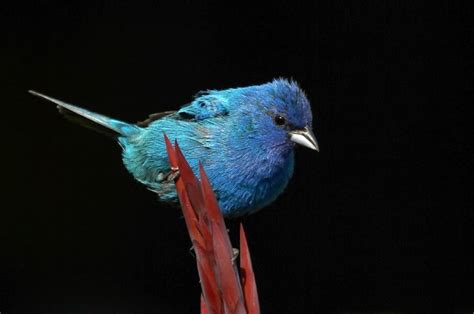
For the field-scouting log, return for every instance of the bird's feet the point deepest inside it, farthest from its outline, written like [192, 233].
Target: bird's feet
[169, 176]
[173, 174]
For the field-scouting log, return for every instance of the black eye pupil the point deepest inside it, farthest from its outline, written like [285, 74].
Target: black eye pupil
[279, 120]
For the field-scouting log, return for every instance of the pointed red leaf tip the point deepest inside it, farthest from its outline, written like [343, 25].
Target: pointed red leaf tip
[191, 183]
[188, 212]
[249, 285]
[171, 153]
[190, 195]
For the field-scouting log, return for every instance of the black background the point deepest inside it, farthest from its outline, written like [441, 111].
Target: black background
[379, 220]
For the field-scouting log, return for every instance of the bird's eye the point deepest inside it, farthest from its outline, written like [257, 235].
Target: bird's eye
[279, 120]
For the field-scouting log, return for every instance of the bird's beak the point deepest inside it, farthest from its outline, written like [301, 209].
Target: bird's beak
[304, 137]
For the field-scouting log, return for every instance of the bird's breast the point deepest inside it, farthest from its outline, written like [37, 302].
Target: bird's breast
[250, 183]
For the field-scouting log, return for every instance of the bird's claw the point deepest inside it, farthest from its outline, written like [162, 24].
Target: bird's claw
[172, 175]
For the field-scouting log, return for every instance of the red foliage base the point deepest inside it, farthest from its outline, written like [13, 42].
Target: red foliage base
[225, 289]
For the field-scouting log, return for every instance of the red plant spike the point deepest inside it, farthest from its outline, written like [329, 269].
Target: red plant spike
[229, 280]
[205, 267]
[221, 287]
[203, 305]
[249, 285]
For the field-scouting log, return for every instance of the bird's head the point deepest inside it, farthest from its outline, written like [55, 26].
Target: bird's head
[284, 114]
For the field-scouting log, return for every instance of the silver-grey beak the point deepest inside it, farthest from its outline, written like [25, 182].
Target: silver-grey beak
[304, 137]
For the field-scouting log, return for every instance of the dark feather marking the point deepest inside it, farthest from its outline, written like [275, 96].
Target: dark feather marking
[153, 117]
[186, 115]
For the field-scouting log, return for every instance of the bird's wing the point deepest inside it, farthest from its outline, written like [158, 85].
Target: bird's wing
[204, 107]
[153, 117]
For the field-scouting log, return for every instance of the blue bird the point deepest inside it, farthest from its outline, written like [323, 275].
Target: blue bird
[244, 137]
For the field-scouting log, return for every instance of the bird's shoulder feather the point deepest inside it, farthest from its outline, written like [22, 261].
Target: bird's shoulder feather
[204, 107]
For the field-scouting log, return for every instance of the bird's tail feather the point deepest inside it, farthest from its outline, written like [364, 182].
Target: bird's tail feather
[92, 120]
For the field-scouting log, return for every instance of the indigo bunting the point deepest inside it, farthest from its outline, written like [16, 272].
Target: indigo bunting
[244, 137]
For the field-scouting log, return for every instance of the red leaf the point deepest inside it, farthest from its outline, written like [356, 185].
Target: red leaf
[203, 305]
[186, 175]
[220, 284]
[210, 202]
[171, 154]
[209, 286]
[190, 195]
[226, 274]
[206, 265]
[191, 183]
[249, 284]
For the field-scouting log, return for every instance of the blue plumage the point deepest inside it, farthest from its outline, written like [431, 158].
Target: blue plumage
[243, 136]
